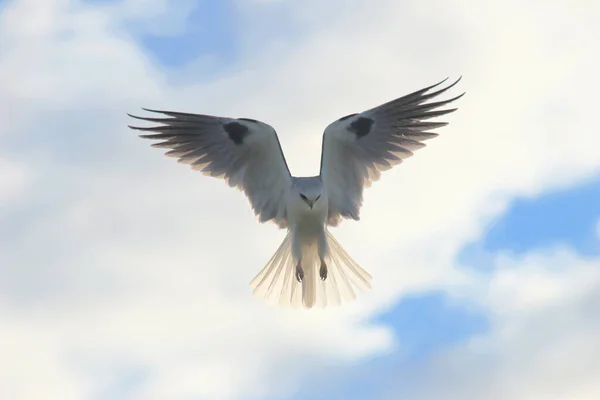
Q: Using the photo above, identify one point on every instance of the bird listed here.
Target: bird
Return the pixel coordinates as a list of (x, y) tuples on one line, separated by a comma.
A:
[(309, 268)]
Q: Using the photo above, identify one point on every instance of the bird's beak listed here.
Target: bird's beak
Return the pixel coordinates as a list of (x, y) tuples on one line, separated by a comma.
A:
[(309, 202)]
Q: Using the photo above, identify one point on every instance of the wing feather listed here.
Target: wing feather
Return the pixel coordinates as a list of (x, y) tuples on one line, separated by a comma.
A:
[(244, 152), (358, 147)]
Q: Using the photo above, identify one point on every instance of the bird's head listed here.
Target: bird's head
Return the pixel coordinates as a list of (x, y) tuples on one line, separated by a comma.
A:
[(309, 190)]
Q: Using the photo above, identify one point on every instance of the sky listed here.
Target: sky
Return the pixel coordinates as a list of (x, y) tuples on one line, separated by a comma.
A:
[(124, 275)]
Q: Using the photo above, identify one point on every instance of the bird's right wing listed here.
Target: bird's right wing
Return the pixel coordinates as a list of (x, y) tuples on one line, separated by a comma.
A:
[(245, 153), (356, 148)]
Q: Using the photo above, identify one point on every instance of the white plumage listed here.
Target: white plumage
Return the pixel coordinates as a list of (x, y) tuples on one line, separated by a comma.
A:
[(309, 268)]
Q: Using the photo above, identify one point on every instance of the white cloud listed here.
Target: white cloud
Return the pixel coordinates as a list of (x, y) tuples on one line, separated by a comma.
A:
[(116, 267), (545, 321), (13, 180)]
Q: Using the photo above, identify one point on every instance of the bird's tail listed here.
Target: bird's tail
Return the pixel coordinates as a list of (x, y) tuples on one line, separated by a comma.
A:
[(277, 282)]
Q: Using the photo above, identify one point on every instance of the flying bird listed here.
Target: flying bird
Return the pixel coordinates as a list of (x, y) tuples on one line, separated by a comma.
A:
[(310, 268)]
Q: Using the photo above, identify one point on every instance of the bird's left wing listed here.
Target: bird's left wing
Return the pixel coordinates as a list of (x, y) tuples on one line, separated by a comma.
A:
[(244, 152), (356, 148)]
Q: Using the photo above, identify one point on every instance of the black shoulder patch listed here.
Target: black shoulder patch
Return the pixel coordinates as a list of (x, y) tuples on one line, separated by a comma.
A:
[(362, 126), (346, 117), (236, 131), (248, 120)]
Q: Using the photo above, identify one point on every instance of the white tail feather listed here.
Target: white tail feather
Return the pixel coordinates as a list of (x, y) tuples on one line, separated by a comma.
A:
[(276, 282)]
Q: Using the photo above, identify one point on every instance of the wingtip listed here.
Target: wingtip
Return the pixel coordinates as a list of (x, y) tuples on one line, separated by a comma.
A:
[(440, 91), (455, 82), (144, 109), (430, 88), (135, 128), (458, 80), (153, 110), (439, 83), (459, 96), (135, 116)]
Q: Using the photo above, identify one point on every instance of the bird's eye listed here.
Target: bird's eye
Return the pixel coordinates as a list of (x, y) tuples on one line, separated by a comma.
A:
[(303, 196)]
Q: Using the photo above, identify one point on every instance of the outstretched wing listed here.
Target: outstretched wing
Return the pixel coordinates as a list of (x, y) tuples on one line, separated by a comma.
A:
[(356, 148), (244, 152)]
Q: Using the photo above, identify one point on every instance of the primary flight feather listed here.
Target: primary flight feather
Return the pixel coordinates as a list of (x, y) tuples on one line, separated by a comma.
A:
[(309, 268)]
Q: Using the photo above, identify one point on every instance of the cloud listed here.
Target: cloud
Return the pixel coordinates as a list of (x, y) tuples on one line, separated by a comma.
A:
[(543, 308), (123, 269), (13, 180)]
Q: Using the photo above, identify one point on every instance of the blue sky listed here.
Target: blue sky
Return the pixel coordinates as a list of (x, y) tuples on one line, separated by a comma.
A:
[(142, 323), (566, 217), (208, 30), (557, 218)]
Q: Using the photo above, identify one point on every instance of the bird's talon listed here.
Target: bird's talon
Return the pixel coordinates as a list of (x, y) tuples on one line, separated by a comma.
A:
[(323, 271), (299, 274)]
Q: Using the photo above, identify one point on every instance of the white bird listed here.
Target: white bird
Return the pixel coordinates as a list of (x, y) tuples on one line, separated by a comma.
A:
[(309, 268)]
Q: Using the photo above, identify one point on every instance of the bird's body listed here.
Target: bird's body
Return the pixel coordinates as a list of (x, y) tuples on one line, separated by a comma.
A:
[(309, 268), (307, 214)]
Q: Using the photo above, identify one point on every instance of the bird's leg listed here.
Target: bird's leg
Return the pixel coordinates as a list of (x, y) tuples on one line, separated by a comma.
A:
[(323, 270), (299, 271), (323, 251)]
